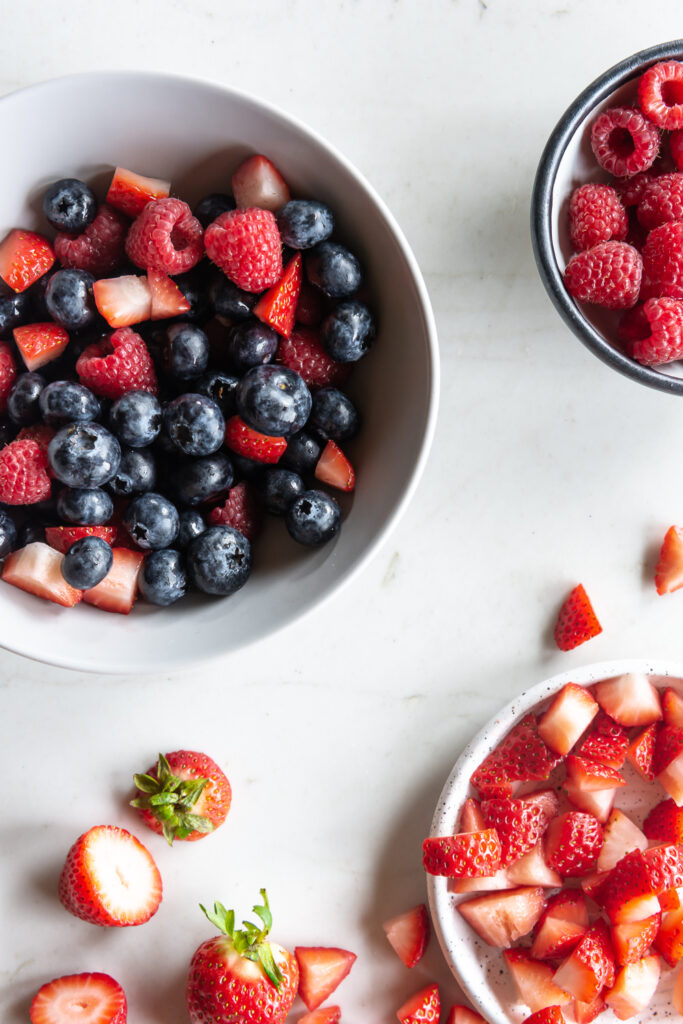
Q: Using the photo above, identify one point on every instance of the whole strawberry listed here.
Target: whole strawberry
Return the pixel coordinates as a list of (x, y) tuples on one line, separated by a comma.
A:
[(185, 796), (238, 976)]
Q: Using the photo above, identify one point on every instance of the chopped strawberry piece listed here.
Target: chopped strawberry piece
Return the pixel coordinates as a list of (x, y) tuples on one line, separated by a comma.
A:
[(593, 884), (277, 307), (325, 1015), (463, 1015), (670, 899), (321, 970), (62, 537), (634, 987), (8, 373), (669, 570), (521, 757), (671, 778), (619, 837), (257, 182), (334, 468), (569, 715), (471, 819), (590, 967), (532, 869), (668, 746), (669, 939), (599, 802), (665, 822), (409, 933), (24, 257), (251, 444), (492, 883), (572, 843), (167, 298), (630, 699), (584, 1013), (591, 776), (550, 1015), (533, 981), (89, 998), (37, 569), (664, 867), (548, 802), (576, 621), (39, 344), (641, 752), (633, 940), (519, 826), (118, 589), (562, 925), (672, 707), (627, 894), (606, 742), (500, 918), (123, 301), (467, 855), (130, 192)]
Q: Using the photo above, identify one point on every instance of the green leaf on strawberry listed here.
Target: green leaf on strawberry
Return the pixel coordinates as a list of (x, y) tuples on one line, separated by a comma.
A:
[(249, 940), (171, 799)]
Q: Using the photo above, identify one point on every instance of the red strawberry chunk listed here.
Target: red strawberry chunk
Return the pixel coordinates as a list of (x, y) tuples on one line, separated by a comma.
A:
[(463, 1015), (664, 867), (246, 245), (409, 933), (466, 855), (334, 468), (627, 894), (665, 822), (633, 940), (37, 569), (122, 363), (562, 925), (251, 444), (598, 802), (119, 588), (8, 373), (660, 94), (521, 757), (669, 939), (471, 819), (634, 987), (641, 752), (551, 1015), (123, 301), (531, 869), (533, 981), (167, 298), (100, 248), (519, 826), (23, 474), (130, 192), (321, 970), (165, 236), (590, 967), (39, 344), (672, 708), (257, 182), (584, 1013), (576, 620), (630, 699), (24, 257), (668, 745), (500, 918), (572, 843), (591, 775), (325, 1015), (619, 837), (91, 998), (277, 307), (606, 742), (241, 510), (62, 537), (569, 715), (303, 352)]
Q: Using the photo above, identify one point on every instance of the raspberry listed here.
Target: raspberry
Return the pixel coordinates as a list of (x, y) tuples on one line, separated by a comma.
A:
[(240, 510), (608, 275), (662, 201), (663, 262), (99, 249), (630, 190), (660, 94), (303, 353), (8, 372), (246, 245), (116, 365), (596, 215), (654, 332), (676, 149), (38, 432), (624, 142), (165, 237), (23, 474)]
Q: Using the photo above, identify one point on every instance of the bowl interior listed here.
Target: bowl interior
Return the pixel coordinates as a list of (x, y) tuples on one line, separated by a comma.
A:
[(479, 968), (195, 134)]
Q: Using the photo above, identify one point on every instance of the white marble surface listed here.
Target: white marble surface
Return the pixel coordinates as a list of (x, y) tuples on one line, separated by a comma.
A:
[(547, 469)]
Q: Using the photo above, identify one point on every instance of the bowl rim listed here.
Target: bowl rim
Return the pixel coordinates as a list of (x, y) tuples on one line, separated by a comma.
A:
[(428, 426), (541, 214), (439, 898)]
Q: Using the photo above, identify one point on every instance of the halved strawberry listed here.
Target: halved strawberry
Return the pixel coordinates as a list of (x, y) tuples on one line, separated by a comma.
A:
[(641, 752), (532, 869), (590, 967), (500, 918), (409, 934), (466, 855), (630, 699), (669, 570), (591, 776), (471, 819), (572, 843), (257, 182), (119, 588), (24, 257), (88, 998), (277, 307), (599, 802), (576, 621), (251, 444), (672, 707), (324, 1015), (627, 894), (321, 970), (37, 569), (633, 940), (669, 939), (463, 1015), (533, 981), (665, 822), (167, 298), (569, 715), (521, 757), (334, 468), (130, 192), (634, 987), (606, 742), (518, 824), (619, 837), (562, 925), (124, 300), (39, 344)]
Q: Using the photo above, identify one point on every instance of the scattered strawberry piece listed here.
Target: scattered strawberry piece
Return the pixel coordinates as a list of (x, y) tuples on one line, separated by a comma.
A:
[(562, 925), (606, 742), (251, 444), (277, 307), (184, 796), (660, 94), (8, 373), (591, 776), (24, 257), (641, 752), (572, 844), (500, 918), (598, 802), (23, 474), (669, 939), (665, 822), (569, 715), (240, 510), (116, 365), (100, 248), (634, 987), (619, 837), (518, 824), (669, 571), (463, 1015), (409, 934), (167, 298), (246, 245), (257, 182), (672, 708), (592, 885), (334, 468), (630, 699), (325, 1015), (130, 192), (37, 569), (123, 301), (533, 981), (584, 1013), (608, 275), (467, 855), (321, 970), (166, 237), (590, 967), (89, 998), (627, 894), (664, 866), (532, 869), (633, 940), (119, 588), (39, 344), (576, 621), (521, 757), (624, 142), (62, 537), (304, 353), (491, 883), (550, 1015), (471, 818), (668, 746)]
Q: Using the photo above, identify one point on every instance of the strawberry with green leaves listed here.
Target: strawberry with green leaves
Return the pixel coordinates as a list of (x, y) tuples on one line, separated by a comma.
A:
[(185, 796)]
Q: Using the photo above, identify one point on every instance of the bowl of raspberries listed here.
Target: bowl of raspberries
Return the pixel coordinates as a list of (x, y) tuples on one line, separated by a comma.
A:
[(218, 372), (607, 217)]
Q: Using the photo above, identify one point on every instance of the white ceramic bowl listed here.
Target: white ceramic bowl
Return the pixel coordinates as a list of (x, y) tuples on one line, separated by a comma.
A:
[(195, 134), (479, 968)]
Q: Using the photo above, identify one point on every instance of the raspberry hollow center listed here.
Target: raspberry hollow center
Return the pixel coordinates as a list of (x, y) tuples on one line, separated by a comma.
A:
[(621, 142), (672, 93)]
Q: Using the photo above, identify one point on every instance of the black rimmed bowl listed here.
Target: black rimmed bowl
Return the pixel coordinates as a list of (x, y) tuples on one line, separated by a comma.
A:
[(567, 162)]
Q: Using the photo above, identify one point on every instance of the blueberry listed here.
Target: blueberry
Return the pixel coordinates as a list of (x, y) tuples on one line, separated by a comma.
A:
[(23, 399), (348, 331), (87, 562), (334, 415), (64, 401), (136, 418), (304, 223), (30, 533), (194, 287), (279, 489), (273, 400), (194, 481), (86, 506), (162, 580), (152, 521), (302, 453), (219, 561), (195, 424), (8, 534), (84, 455), (69, 205), (186, 353), (191, 525), (69, 299), (251, 344), (221, 387), (136, 474), (246, 469), (15, 309), (229, 301), (212, 206), (333, 269), (313, 518)]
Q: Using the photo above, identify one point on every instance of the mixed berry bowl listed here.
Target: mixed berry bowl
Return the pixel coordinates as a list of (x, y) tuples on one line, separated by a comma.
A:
[(164, 389)]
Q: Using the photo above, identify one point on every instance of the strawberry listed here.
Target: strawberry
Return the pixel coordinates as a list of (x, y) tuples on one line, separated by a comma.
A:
[(562, 925), (240, 974), (23, 474), (627, 894), (576, 621), (671, 778), (277, 306), (598, 802), (241, 510), (664, 867), (590, 967), (422, 1008), (116, 365), (591, 776), (24, 257), (463, 1015), (123, 301), (167, 298), (669, 939), (245, 245), (606, 742), (334, 468), (490, 883), (550, 1015), (471, 818), (634, 987), (321, 970), (303, 352), (630, 699), (130, 192), (668, 745), (110, 879), (672, 707), (641, 752), (569, 715), (39, 344), (633, 940), (500, 918), (519, 825), (100, 248), (251, 444), (409, 933), (533, 981), (257, 182), (325, 1015), (677, 994), (547, 801), (619, 837), (62, 537), (185, 796), (669, 570), (531, 869), (37, 569), (572, 843), (89, 998), (665, 822), (8, 373), (592, 885), (521, 757), (119, 588), (467, 855)]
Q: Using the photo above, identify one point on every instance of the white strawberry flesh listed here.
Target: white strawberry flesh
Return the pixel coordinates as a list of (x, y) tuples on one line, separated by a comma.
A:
[(634, 987), (567, 718), (37, 569), (84, 998), (671, 779), (123, 301), (123, 875), (630, 699), (408, 933), (619, 837), (534, 981), (502, 918), (118, 589), (599, 802), (531, 869), (257, 182)]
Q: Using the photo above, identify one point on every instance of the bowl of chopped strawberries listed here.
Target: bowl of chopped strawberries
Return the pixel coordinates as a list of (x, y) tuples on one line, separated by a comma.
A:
[(555, 857), (218, 372), (607, 217)]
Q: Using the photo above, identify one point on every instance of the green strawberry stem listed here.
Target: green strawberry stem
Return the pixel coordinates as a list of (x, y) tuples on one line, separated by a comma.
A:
[(170, 799), (250, 940)]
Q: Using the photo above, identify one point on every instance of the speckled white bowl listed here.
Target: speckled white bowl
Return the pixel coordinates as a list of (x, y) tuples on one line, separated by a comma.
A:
[(479, 968)]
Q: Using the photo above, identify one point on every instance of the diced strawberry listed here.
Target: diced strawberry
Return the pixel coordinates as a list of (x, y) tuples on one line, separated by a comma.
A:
[(409, 934), (531, 869), (668, 746), (123, 301), (677, 994), (670, 899), (590, 967), (471, 819), (130, 192), (576, 621), (89, 998), (567, 905), (24, 257), (500, 918), (167, 298), (641, 752), (599, 803), (550, 1015), (572, 843), (62, 537), (493, 883), (277, 307), (664, 867), (606, 742), (241, 439), (672, 708), (37, 569), (518, 824), (8, 373), (665, 822), (619, 837), (533, 981), (669, 939), (257, 182), (422, 1008), (334, 468), (630, 699), (591, 776), (118, 589), (569, 715), (521, 757), (561, 926), (321, 970), (593, 884), (627, 894), (584, 1013), (548, 802), (633, 940), (669, 570), (634, 987), (324, 1015), (39, 344), (671, 778), (463, 1015), (467, 855)]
